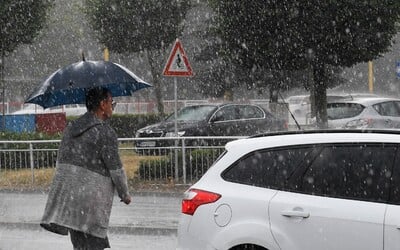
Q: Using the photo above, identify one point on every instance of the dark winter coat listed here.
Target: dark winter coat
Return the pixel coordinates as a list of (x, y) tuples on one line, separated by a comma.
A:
[(88, 170)]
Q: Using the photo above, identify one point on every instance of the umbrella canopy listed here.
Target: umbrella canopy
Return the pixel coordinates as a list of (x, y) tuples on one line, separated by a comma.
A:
[(68, 85)]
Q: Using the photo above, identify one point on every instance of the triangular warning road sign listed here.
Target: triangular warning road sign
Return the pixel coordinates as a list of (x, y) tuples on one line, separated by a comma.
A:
[(178, 64)]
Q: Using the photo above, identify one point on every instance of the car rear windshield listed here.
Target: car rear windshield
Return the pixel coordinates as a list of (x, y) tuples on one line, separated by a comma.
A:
[(267, 168), (343, 110), (193, 113)]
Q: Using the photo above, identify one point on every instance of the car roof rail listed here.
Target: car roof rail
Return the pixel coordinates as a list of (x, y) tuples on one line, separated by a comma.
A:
[(328, 131)]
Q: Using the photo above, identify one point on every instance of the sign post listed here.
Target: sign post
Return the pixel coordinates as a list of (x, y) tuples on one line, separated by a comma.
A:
[(177, 66)]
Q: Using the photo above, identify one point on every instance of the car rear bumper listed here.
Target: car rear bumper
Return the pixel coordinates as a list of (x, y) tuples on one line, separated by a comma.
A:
[(186, 240)]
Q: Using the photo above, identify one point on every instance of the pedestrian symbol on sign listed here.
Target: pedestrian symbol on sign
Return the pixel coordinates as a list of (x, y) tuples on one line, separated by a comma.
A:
[(178, 61)]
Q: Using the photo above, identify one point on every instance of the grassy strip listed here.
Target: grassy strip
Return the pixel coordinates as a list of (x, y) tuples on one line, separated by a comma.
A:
[(22, 178)]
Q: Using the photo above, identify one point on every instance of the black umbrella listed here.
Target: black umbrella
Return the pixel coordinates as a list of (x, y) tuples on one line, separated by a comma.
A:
[(68, 85)]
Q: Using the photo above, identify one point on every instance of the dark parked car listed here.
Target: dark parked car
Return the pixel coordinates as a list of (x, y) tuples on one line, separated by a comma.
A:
[(213, 120)]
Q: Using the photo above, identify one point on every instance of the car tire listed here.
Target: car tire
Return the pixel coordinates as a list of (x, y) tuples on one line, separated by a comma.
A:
[(248, 247)]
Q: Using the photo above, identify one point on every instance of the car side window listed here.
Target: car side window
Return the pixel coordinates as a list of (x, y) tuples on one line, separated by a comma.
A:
[(250, 112), (351, 171), (267, 168), (387, 109), (227, 113), (396, 107)]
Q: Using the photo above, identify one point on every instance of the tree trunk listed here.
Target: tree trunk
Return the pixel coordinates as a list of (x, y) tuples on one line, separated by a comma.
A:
[(273, 93), (320, 95), (273, 98), (156, 82), (228, 95)]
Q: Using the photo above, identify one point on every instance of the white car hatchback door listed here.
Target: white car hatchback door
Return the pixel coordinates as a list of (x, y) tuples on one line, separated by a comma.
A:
[(337, 199), (313, 222), (392, 218), (392, 227)]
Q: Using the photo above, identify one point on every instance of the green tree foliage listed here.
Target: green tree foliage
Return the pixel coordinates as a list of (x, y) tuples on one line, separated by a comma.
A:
[(135, 26), (20, 22), (296, 34)]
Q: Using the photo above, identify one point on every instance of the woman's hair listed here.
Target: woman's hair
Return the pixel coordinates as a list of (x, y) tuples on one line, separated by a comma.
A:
[(94, 96)]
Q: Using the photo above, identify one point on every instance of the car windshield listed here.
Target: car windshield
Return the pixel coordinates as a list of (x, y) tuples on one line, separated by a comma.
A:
[(343, 110), (193, 113)]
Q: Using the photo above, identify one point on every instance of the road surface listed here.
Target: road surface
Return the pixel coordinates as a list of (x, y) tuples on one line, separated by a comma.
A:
[(149, 222)]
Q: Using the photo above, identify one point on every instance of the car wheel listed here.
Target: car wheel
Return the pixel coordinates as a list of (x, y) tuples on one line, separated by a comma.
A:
[(248, 247)]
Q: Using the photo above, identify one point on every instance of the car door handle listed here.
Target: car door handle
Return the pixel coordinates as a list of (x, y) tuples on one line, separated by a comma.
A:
[(294, 213)]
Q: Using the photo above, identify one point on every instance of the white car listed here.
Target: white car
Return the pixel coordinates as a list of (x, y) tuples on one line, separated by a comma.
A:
[(375, 112), (300, 107), (294, 191), (29, 109), (70, 109)]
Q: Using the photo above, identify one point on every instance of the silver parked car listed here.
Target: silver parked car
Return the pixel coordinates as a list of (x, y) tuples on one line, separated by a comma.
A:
[(376, 112), (336, 189), (300, 105)]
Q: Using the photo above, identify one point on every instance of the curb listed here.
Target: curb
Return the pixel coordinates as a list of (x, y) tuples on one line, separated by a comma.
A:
[(112, 229)]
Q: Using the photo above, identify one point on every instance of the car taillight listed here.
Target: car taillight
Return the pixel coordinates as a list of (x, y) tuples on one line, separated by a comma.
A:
[(194, 198)]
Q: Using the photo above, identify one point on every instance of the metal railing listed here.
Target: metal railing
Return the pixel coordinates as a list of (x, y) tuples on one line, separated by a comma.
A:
[(181, 159)]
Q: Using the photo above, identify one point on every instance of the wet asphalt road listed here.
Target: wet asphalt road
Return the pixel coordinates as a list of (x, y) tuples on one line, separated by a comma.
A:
[(150, 222), (18, 239)]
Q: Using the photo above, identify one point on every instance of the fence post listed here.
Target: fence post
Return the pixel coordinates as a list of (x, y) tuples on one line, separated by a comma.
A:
[(31, 162), (183, 161)]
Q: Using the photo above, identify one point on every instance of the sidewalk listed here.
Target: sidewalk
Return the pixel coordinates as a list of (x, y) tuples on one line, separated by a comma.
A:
[(148, 214)]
